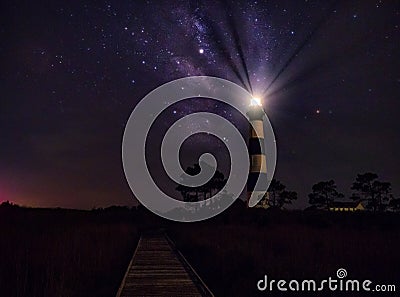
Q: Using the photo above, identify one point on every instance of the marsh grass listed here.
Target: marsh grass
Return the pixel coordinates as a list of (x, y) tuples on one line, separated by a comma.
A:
[(63, 253)]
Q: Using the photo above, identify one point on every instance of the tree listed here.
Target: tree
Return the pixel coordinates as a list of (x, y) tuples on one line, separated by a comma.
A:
[(8, 204), (368, 188), (278, 196), (275, 190), (215, 184), (324, 193), (394, 204), (287, 197), (192, 194)]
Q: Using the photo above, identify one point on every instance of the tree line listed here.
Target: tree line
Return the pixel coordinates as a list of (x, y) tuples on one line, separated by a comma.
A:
[(376, 195)]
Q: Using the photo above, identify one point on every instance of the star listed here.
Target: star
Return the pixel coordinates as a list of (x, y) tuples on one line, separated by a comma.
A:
[(111, 55)]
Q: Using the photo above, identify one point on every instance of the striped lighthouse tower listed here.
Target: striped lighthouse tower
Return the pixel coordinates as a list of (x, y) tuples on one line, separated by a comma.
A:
[(258, 162)]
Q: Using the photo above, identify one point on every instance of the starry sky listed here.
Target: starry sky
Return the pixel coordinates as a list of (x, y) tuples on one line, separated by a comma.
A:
[(72, 71)]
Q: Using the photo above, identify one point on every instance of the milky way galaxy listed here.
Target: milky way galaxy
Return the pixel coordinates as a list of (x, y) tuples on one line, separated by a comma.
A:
[(327, 73)]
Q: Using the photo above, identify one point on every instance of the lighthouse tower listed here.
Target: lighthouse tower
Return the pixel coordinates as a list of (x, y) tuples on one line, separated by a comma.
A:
[(258, 162)]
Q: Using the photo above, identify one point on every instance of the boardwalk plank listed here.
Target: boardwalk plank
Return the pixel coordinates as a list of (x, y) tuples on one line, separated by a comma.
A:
[(157, 268)]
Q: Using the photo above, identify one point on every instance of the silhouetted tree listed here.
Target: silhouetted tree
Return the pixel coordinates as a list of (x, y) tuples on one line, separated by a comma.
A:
[(275, 190), (368, 188), (8, 204), (192, 194), (287, 197), (215, 184), (278, 196), (394, 204), (324, 193)]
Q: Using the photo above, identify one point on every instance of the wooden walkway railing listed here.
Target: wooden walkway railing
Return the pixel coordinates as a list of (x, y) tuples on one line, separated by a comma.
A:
[(157, 268)]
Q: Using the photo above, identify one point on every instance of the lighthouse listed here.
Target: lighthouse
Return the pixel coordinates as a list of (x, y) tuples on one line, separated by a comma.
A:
[(258, 161)]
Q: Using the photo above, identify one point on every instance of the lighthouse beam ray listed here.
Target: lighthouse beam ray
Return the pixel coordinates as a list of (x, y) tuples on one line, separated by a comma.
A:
[(308, 38), (236, 39), (223, 50)]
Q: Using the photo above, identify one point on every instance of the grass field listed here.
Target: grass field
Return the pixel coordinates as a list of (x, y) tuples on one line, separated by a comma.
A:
[(59, 252), (64, 253), (232, 257)]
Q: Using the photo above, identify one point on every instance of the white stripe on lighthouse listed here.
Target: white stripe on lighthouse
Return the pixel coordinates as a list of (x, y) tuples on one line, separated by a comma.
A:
[(258, 163), (257, 129)]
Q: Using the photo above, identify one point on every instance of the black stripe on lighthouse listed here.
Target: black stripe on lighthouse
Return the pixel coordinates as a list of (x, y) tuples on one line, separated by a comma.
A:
[(256, 146), (258, 167)]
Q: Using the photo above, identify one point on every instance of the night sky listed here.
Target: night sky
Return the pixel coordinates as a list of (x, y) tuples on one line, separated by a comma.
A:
[(72, 72)]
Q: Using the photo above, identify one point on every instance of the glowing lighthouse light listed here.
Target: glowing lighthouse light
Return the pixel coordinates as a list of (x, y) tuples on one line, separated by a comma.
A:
[(255, 101)]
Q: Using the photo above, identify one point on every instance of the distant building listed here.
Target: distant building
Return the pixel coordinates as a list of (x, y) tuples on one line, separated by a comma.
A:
[(346, 206)]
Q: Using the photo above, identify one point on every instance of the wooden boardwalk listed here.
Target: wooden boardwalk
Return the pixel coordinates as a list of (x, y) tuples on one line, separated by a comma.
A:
[(157, 268)]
